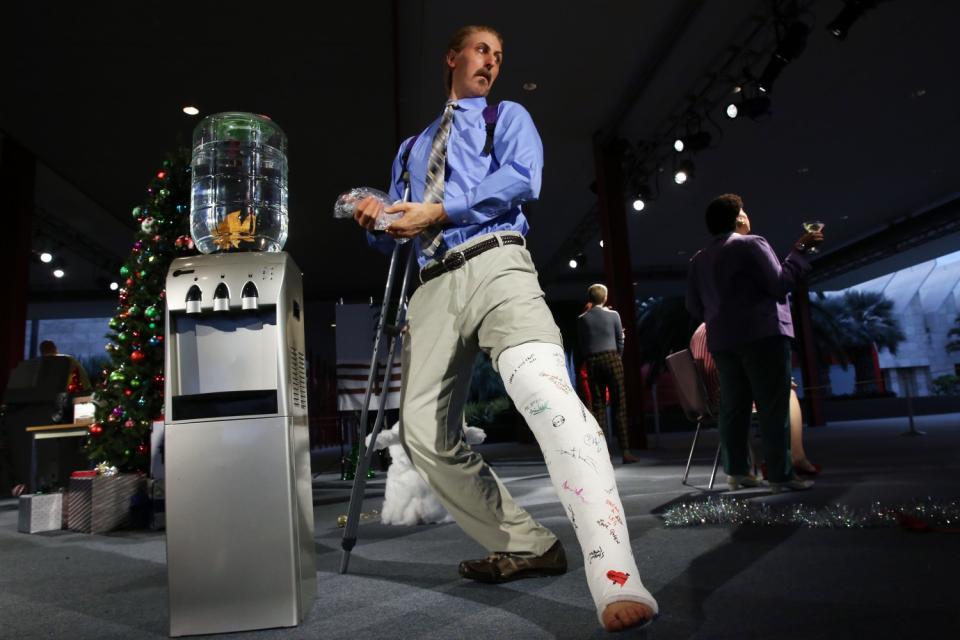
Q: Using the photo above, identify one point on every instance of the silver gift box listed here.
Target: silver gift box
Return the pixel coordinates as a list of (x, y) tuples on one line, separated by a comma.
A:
[(40, 512)]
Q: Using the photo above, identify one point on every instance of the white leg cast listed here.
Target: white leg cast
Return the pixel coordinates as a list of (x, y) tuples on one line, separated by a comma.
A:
[(575, 450)]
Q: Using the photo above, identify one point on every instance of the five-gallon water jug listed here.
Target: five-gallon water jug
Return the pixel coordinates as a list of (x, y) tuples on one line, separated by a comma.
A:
[(239, 191)]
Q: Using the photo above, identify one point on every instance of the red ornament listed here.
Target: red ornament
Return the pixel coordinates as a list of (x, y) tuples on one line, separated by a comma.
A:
[(129, 424), (129, 282), (184, 242), (71, 388), (95, 429), (158, 379), (161, 174), (142, 449), (128, 392), (137, 356)]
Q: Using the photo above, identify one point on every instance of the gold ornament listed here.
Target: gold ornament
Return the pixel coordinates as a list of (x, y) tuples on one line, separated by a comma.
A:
[(235, 229)]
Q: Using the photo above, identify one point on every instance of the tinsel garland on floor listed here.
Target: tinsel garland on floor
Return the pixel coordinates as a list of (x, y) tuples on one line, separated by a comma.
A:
[(921, 515)]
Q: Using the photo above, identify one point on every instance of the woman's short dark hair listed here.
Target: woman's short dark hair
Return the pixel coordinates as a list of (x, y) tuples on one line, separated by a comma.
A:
[(722, 213)]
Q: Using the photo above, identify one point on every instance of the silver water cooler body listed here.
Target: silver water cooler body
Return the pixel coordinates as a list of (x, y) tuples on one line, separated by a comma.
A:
[(239, 503)]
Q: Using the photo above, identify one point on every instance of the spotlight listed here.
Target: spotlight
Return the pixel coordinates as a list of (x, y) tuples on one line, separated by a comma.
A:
[(601, 244), (684, 172), (114, 286), (693, 142), (751, 107), (577, 261), (191, 110), (792, 45), (58, 273), (644, 197), (46, 257), (851, 12)]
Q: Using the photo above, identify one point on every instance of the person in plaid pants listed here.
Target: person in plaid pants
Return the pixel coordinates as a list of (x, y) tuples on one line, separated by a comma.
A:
[(601, 342)]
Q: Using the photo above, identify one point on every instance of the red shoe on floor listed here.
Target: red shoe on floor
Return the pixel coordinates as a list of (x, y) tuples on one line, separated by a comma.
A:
[(808, 469)]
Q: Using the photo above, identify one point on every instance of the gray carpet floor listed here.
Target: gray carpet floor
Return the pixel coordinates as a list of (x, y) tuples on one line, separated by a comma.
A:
[(718, 581)]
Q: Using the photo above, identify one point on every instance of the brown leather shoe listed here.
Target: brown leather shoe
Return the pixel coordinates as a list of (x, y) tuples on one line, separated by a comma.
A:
[(504, 567)]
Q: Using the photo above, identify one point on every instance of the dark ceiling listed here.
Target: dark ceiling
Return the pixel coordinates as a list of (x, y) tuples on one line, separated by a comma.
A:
[(862, 132)]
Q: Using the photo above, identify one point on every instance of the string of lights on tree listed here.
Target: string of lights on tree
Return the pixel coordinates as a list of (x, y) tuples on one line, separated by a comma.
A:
[(130, 394)]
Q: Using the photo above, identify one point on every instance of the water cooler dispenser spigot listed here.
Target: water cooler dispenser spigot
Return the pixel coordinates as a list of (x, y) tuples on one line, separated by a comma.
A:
[(221, 298), (249, 297), (194, 295)]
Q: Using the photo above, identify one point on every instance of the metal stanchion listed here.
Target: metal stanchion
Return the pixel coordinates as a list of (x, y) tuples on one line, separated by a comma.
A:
[(912, 431), (656, 417)]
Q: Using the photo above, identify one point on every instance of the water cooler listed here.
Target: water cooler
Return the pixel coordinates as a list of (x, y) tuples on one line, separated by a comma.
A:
[(239, 502)]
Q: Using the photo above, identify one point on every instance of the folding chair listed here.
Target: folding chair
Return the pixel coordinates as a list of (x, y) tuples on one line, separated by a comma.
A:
[(692, 392)]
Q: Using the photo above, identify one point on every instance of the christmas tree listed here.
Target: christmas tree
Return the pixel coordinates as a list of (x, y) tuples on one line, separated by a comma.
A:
[(130, 395)]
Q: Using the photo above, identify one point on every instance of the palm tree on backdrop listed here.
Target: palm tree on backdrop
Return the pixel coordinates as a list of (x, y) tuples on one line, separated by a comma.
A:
[(828, 346), (864, 320)]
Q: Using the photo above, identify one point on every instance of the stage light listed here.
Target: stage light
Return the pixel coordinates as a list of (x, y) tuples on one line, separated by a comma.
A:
[(191, 111), (573, 263), (751, 107), (684, 172), (58, 273), (46, 257), (601, 244), (639, 204), (791, 46), (678, 145), (839, 27), (114, 286), (577, 261)]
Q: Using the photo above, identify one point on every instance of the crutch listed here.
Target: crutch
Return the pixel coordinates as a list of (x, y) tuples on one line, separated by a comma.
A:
[(364, 456)]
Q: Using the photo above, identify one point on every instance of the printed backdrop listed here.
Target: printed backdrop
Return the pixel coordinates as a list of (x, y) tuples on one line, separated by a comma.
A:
[(356, 328)]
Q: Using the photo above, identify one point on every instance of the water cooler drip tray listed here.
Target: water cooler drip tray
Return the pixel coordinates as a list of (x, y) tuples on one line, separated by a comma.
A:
[(224, 404)]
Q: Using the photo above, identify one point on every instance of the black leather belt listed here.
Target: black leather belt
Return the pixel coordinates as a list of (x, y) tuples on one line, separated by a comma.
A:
[(453, 260)]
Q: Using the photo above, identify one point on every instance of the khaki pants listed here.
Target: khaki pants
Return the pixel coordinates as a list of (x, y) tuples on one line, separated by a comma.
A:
[(492, 303)]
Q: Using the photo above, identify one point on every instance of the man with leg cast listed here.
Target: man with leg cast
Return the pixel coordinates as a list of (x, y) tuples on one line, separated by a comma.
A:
[(469, 175)]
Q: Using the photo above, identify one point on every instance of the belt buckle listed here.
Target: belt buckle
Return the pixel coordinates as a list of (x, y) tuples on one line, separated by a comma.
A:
[(453, 260)]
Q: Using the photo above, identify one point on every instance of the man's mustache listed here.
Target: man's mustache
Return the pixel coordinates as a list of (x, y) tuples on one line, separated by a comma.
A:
[(484, 73)]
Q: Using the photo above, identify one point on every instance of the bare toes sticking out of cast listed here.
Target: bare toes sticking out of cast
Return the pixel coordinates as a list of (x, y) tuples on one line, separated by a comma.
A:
[(626, 614)]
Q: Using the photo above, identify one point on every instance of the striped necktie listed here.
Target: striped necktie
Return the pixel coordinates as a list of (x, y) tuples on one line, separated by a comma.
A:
[(432, 237)]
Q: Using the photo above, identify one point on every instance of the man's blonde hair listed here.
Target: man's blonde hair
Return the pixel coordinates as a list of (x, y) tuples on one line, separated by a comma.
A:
[(597, 294), (456, 43)]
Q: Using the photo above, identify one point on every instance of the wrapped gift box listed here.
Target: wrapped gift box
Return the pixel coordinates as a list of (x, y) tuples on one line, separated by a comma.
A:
[(40, 512), (99, 504)]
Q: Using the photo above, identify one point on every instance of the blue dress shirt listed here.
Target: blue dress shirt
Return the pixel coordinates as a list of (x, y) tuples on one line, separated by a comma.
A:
[(739, 287), (482, 194)]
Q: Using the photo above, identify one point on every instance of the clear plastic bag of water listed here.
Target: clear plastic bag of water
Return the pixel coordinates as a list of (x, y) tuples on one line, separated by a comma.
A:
[(346, 206)]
